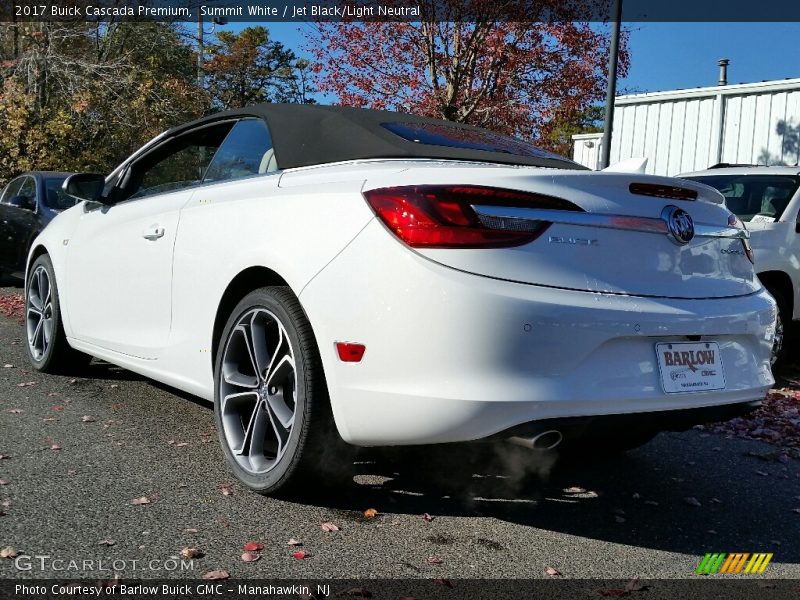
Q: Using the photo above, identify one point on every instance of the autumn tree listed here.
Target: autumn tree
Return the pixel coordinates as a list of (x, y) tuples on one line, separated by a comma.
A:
[(82, 96), (248, 68), (496, 64)]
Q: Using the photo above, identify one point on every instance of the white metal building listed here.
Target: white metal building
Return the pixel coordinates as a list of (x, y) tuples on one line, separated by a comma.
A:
[(689, 130)]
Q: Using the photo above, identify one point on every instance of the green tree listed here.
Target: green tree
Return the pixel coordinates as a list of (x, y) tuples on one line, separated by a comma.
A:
[(563, 126), (248, 68)]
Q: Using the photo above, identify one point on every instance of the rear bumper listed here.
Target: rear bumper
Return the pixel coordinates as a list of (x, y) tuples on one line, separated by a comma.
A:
[(609, 425), (455, 357)]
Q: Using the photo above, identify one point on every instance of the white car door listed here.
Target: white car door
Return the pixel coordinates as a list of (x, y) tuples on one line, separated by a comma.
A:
[(119, 260)]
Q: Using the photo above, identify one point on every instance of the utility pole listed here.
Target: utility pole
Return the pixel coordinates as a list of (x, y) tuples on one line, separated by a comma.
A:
[(611, 89), (200, 49)]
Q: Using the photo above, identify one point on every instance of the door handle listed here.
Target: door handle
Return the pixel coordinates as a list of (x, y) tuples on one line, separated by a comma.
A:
[(153, 232)]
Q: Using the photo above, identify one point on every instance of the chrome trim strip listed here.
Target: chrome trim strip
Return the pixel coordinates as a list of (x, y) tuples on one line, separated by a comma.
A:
[(582, 219)]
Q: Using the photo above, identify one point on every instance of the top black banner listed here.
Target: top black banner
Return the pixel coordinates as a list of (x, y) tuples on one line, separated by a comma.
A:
[(399, 10)]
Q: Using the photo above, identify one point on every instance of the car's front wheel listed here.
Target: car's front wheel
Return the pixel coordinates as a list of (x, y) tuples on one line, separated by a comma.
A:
[(271, 403), (47, 346)]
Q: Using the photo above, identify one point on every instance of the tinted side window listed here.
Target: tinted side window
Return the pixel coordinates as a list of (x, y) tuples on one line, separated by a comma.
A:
[(57, 198), (12, 189), (246, 151), (174, 165), (28, 188)]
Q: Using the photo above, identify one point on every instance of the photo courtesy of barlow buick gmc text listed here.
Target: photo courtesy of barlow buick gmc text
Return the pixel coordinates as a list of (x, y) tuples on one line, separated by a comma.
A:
[(441, 299)]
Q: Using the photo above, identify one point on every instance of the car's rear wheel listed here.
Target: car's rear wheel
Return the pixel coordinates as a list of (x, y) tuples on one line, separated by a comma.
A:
[(271, 402), (47, 346)]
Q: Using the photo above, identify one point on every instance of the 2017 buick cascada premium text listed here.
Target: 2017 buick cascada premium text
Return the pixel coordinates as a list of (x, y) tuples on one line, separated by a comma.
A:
[(330, 275)]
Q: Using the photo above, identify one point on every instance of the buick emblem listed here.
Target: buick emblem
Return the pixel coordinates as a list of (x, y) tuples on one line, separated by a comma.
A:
[(680, 227)]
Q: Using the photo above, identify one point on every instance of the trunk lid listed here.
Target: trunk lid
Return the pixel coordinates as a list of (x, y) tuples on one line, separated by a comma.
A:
[(619, 259)]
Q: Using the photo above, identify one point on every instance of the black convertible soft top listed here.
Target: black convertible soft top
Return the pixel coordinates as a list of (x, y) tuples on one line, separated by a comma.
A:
[(310, 134)]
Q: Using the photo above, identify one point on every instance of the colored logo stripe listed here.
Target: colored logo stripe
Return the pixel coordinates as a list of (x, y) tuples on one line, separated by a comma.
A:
[(733, 563)]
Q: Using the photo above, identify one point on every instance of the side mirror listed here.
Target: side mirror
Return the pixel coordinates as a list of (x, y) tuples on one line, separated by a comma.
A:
[(23, 202), (85, 186)]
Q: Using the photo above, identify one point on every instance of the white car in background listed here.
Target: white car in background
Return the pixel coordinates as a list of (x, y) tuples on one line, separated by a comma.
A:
[(767, 199), (329, 275)]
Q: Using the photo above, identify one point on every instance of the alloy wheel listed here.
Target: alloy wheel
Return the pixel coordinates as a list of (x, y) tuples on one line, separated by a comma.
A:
[(39, 313), (258, 391)]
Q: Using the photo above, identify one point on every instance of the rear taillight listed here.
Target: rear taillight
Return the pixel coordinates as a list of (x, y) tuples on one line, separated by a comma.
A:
[(441, 216)]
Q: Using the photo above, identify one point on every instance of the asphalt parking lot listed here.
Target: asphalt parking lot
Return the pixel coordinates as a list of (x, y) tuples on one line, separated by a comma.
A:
[(76, 452)]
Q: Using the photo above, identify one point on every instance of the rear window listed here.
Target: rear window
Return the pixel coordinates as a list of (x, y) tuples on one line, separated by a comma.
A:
[(756, 198), (467, 139)]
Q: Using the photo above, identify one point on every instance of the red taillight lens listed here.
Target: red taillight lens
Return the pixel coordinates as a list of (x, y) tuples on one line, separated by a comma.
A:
[(441, 216)]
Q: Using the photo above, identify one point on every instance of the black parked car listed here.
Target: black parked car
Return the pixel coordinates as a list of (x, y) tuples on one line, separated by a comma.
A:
[(27, 204)]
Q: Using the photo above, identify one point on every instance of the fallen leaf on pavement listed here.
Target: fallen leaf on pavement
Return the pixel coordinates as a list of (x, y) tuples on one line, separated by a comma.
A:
[(435, 560), (250, 557), (253, 546), (294, 542), (692, 501), (16, 411), (575, 490), (191, 553), (8, 366), (3, 482), (300, 554), (88, 419), (370, 513), (140, 501), (217, 575), (4, 456), (329, 527), (226, 489), (427, 518), (553, 572), (106, 543), (26, 384), (8, 552), (181, 445), (57, 407), (634, 585), (190, 530)]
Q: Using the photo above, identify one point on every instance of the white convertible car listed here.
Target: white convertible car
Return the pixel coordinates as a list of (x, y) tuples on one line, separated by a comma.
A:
[(330, 275)]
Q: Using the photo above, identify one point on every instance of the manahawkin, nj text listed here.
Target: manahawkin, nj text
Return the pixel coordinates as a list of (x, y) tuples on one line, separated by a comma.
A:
[(283, 11)]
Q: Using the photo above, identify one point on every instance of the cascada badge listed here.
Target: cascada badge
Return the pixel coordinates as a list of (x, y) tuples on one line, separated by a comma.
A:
[(735, 563)]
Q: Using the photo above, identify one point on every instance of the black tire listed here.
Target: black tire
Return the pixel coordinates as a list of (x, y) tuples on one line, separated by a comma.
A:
[(56, 356), (784, 329), (313, 453)]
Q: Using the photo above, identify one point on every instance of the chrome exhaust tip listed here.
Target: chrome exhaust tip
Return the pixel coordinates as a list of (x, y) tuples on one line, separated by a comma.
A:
[(547, 440)]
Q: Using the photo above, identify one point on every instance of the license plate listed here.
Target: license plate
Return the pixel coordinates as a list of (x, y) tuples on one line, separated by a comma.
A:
[(690, 367)]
